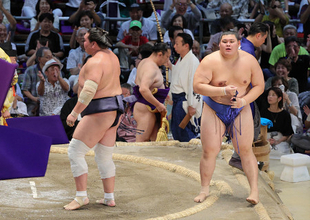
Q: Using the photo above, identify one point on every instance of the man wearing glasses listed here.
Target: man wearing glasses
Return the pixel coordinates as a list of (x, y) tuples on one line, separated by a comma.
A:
[(192, 17)]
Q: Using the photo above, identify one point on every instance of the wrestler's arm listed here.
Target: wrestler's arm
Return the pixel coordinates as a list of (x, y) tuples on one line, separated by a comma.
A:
[(257, 80), (147, 80), (203, 77)]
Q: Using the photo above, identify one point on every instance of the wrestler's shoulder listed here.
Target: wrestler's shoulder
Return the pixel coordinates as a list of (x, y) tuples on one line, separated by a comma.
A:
[(211, 57)]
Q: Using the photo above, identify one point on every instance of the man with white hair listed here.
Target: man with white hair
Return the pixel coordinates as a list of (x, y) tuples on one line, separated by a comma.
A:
[(77, 56)]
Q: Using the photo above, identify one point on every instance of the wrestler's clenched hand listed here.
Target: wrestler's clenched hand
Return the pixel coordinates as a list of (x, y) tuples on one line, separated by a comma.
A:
[(237, 102), (230, 90), (161, 108), (70, 120)]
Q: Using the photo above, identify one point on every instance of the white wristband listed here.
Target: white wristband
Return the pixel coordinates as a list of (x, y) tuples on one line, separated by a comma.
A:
[(74, 114), (308, 118), (224, 90)]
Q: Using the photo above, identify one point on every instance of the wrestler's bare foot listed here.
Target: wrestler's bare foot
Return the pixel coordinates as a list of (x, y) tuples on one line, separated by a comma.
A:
[(77, 203), (204, 192), (107, 202), (253, 200)]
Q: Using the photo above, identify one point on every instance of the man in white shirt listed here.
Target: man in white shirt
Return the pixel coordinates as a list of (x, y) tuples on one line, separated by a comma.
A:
[(186, 104), (77, 56)]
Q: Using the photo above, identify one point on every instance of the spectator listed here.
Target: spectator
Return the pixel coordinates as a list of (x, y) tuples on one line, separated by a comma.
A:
[(173, 32), (283, 68), (149, 29), (300, 63), (226, 24), (56, 42), (12, 22), (6, 40), (31, 78), (86, 5), (128, 126), (290, 103), (305, 17), (225, 12), (196, 50), (44, 6), (52, 90), (192, 17), (19, 108), (178, 20), (273, 12), (281, 130), (77, 56), (145, 51), (86, 20), (239, 9), (129, 45), (279, 51)]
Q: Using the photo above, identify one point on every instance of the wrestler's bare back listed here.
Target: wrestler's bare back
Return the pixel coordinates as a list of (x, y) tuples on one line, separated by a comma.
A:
[(103, 68), (149, 73)]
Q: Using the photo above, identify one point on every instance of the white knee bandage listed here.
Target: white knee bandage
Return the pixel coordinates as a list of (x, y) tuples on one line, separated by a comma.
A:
[(103, 157), (76, 152)]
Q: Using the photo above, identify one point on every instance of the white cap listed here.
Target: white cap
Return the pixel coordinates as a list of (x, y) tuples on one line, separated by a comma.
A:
[(51, 62)]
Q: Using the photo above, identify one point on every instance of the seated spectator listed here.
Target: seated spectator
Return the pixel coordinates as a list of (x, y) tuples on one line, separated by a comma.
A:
[(290, 103), (281, 130), (128, 126), (301, 142), (178, 20), (56, 42), (44, 6), (149, 29), (129, 45), (304, 16), (19, 108), (283, 68), (196, 50), (274, 13), (173, 32), (31, 79), (86, 5), (279, 51), (192, 17), (77, 56), (52, 90), (43, 42), (12, 22), (145, 51), (85, 20), (239, 9), (226, 24), (6, 40), (225, 12), (300, 63)]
